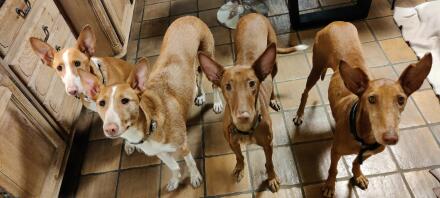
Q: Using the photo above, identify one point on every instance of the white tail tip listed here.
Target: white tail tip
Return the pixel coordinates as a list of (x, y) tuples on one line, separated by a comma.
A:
[(301, 47)]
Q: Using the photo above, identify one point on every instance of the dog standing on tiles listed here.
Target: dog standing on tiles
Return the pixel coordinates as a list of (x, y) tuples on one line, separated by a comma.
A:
[(151, 109), (366, 111), (248, 90)]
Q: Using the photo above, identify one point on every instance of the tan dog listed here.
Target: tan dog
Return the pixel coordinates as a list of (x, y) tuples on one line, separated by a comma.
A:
[(150, 112), (248, 90), (366, 111)]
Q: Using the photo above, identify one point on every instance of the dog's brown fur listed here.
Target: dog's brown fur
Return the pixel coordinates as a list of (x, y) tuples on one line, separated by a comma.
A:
[(248, 90), (381, 101)]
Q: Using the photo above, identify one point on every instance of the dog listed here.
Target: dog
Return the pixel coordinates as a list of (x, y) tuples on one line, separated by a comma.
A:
[(151, 108), (366, 111), (248, 90)]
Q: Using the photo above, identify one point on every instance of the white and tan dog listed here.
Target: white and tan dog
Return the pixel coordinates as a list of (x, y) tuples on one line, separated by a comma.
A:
[(151, 109)]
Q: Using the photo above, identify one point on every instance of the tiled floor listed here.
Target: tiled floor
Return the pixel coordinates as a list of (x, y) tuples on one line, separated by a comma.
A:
[(301, 154)]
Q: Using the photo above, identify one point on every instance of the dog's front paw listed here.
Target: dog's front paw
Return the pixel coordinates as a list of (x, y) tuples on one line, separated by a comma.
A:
[(129, 148), (274, 184), (297, 120), (275, 105), (328, 190), (200, 100), (196, 179), (361, 182), (173, 184), (238, 173), (218, 107)]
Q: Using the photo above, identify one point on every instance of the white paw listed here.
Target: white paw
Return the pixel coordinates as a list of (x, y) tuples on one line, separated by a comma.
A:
[(173, 184), (200, 100), (218, 107), (129, 149), (196, 179)]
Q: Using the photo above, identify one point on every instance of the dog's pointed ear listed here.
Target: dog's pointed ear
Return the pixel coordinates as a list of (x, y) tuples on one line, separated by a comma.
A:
[(413, 76), (354, 78), (139, 75), (91, 84), (213, 70), (43, 50), (86, 41), (263, 66)]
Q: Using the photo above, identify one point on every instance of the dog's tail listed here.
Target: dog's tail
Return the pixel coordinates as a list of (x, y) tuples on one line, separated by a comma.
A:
[(295, 48)]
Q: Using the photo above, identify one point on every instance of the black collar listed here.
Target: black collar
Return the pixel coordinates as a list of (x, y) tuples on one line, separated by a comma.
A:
[(364, 146), (256, 124), (152, 128)]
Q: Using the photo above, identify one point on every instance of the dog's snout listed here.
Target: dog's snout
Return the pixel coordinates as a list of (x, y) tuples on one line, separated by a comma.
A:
[(72, 90), (390, 138), (243, 115), (111, 129)]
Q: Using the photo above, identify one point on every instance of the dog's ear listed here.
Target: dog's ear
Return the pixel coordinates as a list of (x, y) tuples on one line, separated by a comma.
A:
[(43, 50), (263, 66), (212, 70), (139, 75), (91, 84), (87, 41), (413, 76), (354, 78)]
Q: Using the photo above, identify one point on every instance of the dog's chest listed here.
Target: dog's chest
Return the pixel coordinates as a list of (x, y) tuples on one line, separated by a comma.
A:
[(151, 147)]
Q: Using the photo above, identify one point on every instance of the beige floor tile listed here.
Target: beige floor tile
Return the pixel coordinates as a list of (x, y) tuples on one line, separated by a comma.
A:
[(137, 12), (221, 35), (148, 2), (210, 4), (138, 159), (330, 116), (219, 179), (384, 28), (290, 94), (402, 66), (102, 185), (157, 10), (282, 193), (284, 167), (215, 142), (281, 23), (314, 161), (380, 163), (96, 132), (102, 156), (380, 8), (183, 6), (173, 18), (287, 40), (291, 67), (415, 149), (154, 27), (373, 55), (134, 31), (342, 189), (364, 32), (333, 2), (277, 7), (436, 131), (244, 195), (397, 50), (421, 183), (411, 117), (323, 86), (385, 186), (185, 188), (315, 126), (140, 182), (223, 54), (308, 37), (131, 50), (209, 17), (279, 129), (428, 104), (386, 72), (150, 46)]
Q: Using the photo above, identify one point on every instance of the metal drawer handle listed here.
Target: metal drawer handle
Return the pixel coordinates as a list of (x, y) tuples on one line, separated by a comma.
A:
[(27, 9), (46, 32)]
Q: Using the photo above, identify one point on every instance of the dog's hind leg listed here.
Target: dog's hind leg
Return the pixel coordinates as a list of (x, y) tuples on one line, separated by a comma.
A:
[(274, 104), (200, 98)]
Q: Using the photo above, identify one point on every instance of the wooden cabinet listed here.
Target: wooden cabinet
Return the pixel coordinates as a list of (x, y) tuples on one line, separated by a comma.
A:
[(110, 19)]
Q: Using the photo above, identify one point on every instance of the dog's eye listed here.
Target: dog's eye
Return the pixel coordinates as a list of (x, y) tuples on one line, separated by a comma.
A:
[(102, 103), (372, 99), (228, 87), (77, 63), (125, 100), (252, 84), (60, 68), (401, 100)]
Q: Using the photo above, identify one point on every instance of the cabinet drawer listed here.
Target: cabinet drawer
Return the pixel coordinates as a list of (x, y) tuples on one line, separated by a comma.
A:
[(13, 13)]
